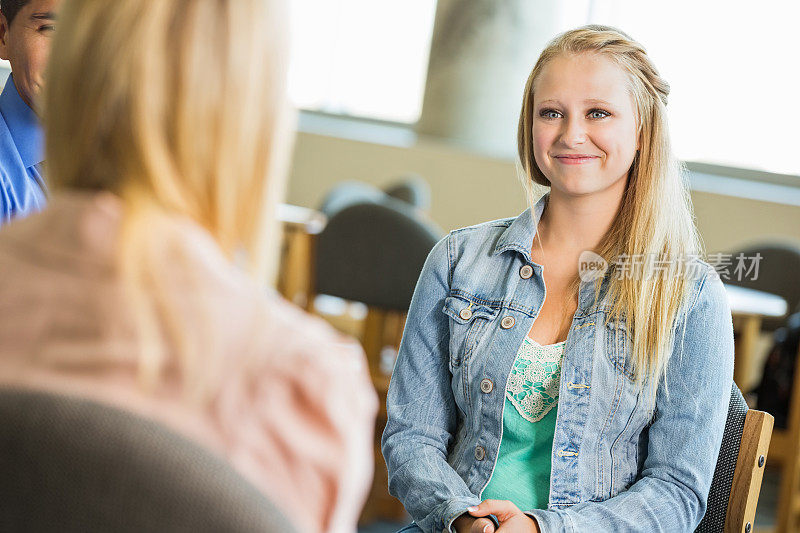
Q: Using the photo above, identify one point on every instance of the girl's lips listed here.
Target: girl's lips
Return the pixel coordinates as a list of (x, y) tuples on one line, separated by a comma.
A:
[(575, 159)]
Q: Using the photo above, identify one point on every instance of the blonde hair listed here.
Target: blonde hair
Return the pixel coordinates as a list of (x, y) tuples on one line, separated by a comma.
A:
[(178, 108), (655, 217)]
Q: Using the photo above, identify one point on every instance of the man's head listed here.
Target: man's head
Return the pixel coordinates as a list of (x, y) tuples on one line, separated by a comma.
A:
[(26, 28)]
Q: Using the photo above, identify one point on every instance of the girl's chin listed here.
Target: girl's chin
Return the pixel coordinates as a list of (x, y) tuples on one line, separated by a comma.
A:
[(581, 187)]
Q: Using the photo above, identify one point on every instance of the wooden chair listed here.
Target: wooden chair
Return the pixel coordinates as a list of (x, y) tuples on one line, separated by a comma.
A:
[(785, 450), (740, 468)]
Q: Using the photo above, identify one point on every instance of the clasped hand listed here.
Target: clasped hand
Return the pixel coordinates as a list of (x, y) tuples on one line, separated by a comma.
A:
[(511, 519)]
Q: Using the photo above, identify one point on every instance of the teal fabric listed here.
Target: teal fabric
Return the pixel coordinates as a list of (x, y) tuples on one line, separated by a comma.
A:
[(522, 471)]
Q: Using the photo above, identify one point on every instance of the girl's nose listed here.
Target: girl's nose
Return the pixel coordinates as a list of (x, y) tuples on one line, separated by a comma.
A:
[(574, 133)]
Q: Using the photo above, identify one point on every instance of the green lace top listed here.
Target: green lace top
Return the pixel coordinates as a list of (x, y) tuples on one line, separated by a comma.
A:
[(522, 471)]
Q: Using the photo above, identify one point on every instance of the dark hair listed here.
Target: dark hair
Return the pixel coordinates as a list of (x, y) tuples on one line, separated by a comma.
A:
[(10, 8)]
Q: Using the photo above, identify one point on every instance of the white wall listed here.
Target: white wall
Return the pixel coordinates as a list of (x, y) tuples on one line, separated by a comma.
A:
[(469, 188)]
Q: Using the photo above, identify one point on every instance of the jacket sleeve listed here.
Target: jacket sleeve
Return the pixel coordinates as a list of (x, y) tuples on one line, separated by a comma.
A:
[(684, 437), (422, 413)]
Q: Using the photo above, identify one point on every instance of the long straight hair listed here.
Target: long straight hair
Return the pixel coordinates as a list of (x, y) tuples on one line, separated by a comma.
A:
[(178, 107), (655, 218)]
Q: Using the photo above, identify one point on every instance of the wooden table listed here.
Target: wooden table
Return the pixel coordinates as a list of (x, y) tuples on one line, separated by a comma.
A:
[(749, 307)]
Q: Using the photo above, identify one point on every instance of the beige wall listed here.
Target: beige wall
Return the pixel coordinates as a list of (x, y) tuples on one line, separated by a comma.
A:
[(469, 188)]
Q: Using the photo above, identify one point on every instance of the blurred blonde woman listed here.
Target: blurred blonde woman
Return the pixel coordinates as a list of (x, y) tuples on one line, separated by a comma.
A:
[(561, 399), (167, 135)]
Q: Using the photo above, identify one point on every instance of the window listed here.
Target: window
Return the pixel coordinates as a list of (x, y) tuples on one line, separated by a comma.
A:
[(731, 66), (735, 86), (366, 58)]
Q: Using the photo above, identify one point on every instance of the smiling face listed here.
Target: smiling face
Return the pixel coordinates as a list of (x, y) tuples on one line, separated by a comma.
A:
[(25, 43), (584, 124)]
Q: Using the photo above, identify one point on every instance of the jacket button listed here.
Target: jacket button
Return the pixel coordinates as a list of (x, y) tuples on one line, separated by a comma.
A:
[(480, 453), (487, 385), (526, 272), (465, 313), (507, 322)]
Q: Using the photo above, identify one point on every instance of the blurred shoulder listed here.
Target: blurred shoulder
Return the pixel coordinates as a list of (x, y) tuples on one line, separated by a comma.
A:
[(290, 337)]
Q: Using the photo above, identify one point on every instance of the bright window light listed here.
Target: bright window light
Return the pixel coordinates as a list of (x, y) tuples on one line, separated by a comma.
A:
[(732, 69), (366, 58), (730, 65)]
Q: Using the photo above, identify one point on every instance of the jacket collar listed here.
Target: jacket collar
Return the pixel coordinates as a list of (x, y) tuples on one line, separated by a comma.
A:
[(519, 235)]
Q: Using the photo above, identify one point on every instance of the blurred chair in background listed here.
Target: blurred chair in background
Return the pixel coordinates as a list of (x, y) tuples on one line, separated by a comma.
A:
[(778, 273), (774, 392), (349, 193), (772, 270), (302, 226), (73, 465), (373, 253), (412, 189), (779, 393), (358, 270)]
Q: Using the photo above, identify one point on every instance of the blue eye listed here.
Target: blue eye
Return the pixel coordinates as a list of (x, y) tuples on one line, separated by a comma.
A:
[(549, 113), (598, 113)]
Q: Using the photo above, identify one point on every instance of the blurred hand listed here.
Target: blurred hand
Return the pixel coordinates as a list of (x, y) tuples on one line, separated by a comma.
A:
[(512, 520)]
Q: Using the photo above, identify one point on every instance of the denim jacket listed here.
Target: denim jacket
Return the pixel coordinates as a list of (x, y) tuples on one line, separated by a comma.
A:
[(619, 461)]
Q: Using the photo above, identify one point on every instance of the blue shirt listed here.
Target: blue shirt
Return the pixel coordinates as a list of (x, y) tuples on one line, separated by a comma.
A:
[(22, 188)]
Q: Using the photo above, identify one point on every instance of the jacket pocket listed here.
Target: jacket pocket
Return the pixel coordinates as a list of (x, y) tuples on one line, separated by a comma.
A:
[(619, 347), (468, 320)]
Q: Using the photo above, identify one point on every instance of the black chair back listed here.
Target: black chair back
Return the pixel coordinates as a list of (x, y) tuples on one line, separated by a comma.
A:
[(74, 465), (373, 253), (718, 496)]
